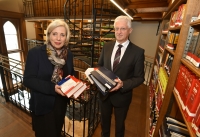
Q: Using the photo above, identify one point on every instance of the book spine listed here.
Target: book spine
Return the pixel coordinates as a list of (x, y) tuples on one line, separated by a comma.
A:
[(77, 93), (69, 94), (192, 101), (107, 78)]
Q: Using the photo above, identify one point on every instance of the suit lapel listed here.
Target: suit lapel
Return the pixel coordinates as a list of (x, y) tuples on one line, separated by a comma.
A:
[(110, 50)]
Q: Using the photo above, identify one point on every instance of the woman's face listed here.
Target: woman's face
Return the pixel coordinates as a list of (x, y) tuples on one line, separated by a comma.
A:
[(58, 37)]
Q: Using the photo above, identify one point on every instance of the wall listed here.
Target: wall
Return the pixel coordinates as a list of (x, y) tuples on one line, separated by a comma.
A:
[(11, 5), (144, 35)]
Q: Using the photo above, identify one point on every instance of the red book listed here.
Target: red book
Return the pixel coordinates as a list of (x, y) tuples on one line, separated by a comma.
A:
[(180, 83), (196, 120), (190, 80), (192, 101), (180, 15), (173, 19)]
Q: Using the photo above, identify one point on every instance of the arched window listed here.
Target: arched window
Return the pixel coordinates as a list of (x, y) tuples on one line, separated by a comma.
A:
[(10, 36), (12, 45)]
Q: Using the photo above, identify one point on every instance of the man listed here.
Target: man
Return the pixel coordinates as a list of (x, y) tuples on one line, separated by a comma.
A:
[(130, 71)]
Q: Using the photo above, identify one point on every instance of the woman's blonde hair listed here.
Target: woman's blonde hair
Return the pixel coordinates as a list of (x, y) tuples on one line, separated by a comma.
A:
[(54, 24)]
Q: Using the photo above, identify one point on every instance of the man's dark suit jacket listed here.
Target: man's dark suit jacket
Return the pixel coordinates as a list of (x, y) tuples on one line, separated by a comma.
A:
[(37, 77), (130, 70)]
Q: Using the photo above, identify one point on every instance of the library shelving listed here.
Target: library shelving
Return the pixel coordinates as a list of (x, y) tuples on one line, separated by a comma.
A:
[(182, 29), (40, 29)]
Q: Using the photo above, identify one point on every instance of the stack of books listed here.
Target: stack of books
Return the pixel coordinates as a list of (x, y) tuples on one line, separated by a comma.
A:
[(193, 54), (187, 88), (177, 16), (174, 128), (71, 86), (102, 78)]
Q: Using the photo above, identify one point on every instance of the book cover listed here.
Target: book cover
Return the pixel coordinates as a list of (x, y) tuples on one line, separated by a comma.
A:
[(180, 15), (196, 120), (196, 60), (192, 101), (108, 74), (105, 77), (190, 81), (173, 19), (174, 121), (87, 73), (192, 45), (165, 27), (101, 87), (178, 129)]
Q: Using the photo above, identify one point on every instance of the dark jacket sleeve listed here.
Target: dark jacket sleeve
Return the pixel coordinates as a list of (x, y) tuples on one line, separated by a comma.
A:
[(37, 74), (135, 77)]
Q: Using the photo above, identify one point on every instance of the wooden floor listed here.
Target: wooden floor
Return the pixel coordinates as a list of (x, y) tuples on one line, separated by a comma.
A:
[(15, 123)]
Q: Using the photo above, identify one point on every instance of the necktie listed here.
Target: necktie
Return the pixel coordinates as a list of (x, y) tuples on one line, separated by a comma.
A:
[(117, 57)]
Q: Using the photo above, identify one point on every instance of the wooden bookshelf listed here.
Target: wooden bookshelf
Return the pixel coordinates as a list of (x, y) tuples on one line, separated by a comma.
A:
[(186, 122), (191, 10), (191, 66), (170, 51)]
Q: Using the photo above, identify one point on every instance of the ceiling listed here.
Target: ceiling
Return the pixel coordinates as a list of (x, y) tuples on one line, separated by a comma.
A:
[(138, 9), (145, 9)]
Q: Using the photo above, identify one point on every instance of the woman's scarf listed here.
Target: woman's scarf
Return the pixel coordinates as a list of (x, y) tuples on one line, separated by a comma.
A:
[(57, 60)]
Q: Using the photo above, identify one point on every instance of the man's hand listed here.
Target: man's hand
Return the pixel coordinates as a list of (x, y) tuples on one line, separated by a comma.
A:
[(119, 85)]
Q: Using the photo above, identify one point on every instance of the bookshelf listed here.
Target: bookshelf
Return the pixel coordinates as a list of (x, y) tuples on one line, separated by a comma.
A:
[(40, 29), (192, 9)]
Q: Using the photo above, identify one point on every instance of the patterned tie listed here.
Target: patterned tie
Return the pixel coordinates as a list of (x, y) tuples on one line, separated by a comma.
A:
[(117, 57)]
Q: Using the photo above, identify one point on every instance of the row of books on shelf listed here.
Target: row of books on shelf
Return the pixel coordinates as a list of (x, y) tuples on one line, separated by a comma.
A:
[(168, 63), (177, 16), (102, 78), (162, 43), (193, 52), (172, 40), (72, 87), (156, 99), (153, 118), (159, 96), (165, 28), (173, 128), (187, 89), (163, 79)]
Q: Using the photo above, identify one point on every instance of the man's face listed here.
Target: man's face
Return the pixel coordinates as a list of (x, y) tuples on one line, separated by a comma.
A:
[(122, 31)]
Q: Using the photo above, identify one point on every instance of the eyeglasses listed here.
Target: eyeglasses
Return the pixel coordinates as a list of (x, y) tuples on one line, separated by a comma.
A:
[(121, 29)]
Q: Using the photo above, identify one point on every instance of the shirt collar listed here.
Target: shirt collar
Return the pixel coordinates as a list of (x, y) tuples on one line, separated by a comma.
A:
[(125, 44)]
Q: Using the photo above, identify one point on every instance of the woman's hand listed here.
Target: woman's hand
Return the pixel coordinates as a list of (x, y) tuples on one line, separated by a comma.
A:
[(58, 90), (119, 85)]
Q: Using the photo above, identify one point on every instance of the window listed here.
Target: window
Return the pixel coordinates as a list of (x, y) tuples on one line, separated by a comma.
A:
[(10, 36), (13, 50)]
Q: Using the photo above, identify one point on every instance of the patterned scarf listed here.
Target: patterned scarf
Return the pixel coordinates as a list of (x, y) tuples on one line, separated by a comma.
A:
[(58, 61)]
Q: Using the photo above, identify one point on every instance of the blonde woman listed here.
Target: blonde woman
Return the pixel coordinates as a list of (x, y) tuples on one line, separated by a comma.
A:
[(45, 66)]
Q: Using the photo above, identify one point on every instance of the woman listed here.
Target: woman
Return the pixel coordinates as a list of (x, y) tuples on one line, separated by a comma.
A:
[(45, 67)]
